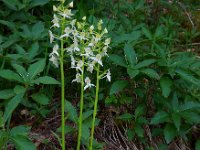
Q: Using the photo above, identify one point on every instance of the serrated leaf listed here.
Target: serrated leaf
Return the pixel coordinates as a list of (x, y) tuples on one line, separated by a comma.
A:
[(6, 94), (45, 80), (40, 98), (151, 73), (190, 117), (71, 110), (165, 84), (159, 117), (118, 86), (169, 133), (10, 75), (118, 60), (130, 55), (145, 63), (11, 105), (23, 143), (36, 68)]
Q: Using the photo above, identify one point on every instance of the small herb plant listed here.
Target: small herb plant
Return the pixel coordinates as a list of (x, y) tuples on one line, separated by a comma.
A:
[(86, 46)]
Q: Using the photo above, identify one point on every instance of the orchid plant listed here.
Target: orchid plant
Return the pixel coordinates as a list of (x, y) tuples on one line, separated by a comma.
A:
[(86, 45)]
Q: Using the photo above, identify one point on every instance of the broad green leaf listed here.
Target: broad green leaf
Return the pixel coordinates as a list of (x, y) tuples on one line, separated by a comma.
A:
[(151, 73), (147, 33), (37, 29), (177, 120), (140, 110), (23, 143), (188, 77), (175, 103), (71, 110), (10, 75), (19, 130), (118, 60), (33, 51), (6, 94), (20, 70), (36, 68), (130, 55), (145, 63), (189, 105), (126, 116), (87, 114), (139, 130), (38, 2), (4, 137), (169, 133), (165, 84), (19, 89), (85, 132), (45, 80), (12, 4), (159, 117), (132, 72), (190, 117), (40, 98), (118, 86), (11, 105)]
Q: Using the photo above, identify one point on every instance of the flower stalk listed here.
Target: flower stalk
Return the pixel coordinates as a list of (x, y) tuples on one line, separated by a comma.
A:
[(95, 107), (81, 107)]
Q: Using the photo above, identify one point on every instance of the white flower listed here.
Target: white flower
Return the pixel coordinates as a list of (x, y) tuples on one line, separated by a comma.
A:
[(108, 75), (51, 36), (104, 51), (67, 32), (72, 62), (90, 67), (105, 31), (71, 4), (107, 42), (66, 13), (84, 18), (88, 52), (55, 21), (78, 78), (88, 83), (91, 28), (54, 60), (100, 24), (97, 38), (55, 50), (79, 66), (55, 8), (97, 59)]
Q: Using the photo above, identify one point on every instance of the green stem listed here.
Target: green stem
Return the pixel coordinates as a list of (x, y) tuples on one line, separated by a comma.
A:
[(95, 108), (62, 92), (81, 107)]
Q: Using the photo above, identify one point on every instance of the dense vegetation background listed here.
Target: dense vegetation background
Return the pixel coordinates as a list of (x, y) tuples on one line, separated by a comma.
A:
[(153, 101)]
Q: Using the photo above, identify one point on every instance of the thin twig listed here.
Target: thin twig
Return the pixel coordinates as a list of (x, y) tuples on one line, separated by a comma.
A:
[(187, 13)]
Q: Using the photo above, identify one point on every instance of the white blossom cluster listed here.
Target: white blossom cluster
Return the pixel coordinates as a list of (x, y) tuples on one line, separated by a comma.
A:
[(85, 45)]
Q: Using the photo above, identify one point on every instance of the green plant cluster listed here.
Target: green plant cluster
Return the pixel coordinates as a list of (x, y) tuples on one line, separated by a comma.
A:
[(153, 59)]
